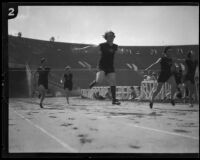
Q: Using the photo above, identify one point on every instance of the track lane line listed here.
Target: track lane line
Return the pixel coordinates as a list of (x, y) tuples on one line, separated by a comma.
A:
[(68, 147), (148, 128)]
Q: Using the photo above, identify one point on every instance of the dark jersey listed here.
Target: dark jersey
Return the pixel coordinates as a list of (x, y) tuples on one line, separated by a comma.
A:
[(191, 66), (68, 78), (165, 73), (107, 55), (68, 81), (166, 64), (43, 76), (178, 76)]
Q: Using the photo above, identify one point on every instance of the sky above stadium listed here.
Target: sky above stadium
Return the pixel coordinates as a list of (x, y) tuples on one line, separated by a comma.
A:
[(133, 25)]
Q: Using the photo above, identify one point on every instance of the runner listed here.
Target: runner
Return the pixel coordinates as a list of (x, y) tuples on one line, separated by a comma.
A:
[(43, 73), (189, 78), (68, 84), (106, 64), (166, 75)]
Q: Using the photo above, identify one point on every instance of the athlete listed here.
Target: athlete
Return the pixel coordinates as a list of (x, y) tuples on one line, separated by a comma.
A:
[(68, 84), (196, 77), (43, 74), (106, 64), (178, 73), (191, 65), (166, 75)]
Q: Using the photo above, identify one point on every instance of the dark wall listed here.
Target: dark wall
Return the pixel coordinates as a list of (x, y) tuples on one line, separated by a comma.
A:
[(18, 85)]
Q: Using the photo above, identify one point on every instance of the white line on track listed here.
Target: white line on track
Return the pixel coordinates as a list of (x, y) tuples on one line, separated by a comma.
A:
[(162, 131), (47, 133), (148, 128)]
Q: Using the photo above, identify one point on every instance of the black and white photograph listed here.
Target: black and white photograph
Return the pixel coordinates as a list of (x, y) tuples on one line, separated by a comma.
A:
[(103, 79)]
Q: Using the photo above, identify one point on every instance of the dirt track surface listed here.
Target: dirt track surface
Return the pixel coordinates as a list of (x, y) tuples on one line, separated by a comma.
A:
[(91, 126)]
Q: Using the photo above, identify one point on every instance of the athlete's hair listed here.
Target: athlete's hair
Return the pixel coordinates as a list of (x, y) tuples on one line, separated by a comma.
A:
[(106, 34), (42, 60), (166, 49)]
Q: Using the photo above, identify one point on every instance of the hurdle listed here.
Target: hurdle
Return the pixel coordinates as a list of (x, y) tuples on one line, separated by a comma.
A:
[(148, 86), (122, 92)]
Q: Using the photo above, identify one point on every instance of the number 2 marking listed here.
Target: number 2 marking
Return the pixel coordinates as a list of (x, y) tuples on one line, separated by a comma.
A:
[(11, 12)]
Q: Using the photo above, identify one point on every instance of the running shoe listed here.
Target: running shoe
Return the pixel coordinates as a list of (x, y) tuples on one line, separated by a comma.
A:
[(151, 105), (172, 102), (116, 102), (41, 106)]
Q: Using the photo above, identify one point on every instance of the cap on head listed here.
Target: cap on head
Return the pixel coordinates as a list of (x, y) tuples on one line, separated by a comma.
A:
[(108, 33), (67, 67)]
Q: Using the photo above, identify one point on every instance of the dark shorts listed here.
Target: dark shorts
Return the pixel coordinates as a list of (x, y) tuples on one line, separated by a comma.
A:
[(190, 78), (164, 76), (68, 86), (106, 70), (178, 80), (45, 85)]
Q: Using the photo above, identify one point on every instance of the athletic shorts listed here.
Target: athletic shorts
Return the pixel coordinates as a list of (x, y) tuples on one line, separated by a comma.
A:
[(45, 85), (178, 80), (68, 86), (164, 76)]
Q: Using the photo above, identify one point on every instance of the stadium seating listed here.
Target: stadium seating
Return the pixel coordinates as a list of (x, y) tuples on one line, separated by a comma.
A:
[(29, 51)]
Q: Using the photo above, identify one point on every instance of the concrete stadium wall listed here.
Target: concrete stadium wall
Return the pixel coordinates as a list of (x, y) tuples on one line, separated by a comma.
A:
[(18, 84), (58, 55)]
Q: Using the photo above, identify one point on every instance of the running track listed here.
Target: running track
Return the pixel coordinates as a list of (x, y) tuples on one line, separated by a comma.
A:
[(90, 126)]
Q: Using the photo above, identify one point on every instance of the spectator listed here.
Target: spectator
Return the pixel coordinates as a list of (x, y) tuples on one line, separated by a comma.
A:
[(133, 94)]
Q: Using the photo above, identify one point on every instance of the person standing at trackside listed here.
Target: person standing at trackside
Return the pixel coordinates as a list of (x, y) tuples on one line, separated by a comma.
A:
[(166, 75), (43, 73), (178, 73), (196, 78), (133, 94), (68, 84), (189, 77), (106, 64)]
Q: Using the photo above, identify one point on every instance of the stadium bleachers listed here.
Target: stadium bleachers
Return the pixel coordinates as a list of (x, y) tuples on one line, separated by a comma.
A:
[(29, 51)]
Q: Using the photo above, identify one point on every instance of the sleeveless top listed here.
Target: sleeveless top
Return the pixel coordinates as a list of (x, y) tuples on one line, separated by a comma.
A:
[(166, 64), (191, 65), (43, 75), (107, 55), (68, 78)]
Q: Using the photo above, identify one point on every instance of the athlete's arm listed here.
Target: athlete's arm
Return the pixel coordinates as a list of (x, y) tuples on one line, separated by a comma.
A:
[(86, 47), (179, 60), (62, 79), (119, 51), (186, 68), (196, 76), (156, 62)]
